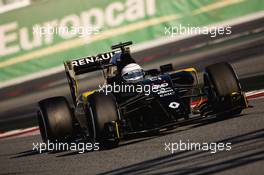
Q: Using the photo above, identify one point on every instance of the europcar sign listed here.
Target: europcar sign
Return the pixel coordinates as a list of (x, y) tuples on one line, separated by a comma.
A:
[(15, 37), (43, 35)]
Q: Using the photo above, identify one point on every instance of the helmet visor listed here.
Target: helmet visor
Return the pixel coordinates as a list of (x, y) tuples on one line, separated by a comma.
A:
[(133, 75)]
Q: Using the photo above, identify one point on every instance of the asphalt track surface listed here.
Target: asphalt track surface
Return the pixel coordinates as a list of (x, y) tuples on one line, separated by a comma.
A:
[(148, 155)]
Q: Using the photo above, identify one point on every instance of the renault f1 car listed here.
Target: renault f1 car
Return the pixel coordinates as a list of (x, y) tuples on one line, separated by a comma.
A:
[(109, 117)]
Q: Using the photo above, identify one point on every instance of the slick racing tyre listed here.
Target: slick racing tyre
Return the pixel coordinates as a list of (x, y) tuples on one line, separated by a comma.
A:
[(222, 82), (55, 119), (103, 111)]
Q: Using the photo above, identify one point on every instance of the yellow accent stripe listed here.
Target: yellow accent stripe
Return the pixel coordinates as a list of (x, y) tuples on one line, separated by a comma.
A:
[(246, 101), (86, 94), (234, 93), (117, 130), (190, 69)]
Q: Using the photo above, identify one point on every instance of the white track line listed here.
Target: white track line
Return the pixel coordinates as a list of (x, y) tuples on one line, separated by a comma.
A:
[(20, 132)]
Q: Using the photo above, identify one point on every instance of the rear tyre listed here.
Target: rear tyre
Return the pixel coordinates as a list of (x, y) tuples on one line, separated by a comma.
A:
[(222, 82), (55, 119), (103, 111)]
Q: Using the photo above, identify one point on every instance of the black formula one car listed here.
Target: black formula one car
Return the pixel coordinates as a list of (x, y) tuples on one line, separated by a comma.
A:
[(107, 116)]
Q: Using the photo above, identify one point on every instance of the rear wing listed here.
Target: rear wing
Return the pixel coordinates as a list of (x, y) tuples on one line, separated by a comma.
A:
[(90, 63), (85, 65)]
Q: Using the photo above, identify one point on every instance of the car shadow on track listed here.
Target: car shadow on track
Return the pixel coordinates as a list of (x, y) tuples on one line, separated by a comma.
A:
[(247, 148), (27, 153), (212, 119)]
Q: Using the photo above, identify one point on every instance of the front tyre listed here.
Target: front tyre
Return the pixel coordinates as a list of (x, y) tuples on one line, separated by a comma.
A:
[(223, 89)]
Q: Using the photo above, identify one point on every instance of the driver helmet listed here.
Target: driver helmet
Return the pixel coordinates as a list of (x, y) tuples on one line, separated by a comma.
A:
[(132, 73)]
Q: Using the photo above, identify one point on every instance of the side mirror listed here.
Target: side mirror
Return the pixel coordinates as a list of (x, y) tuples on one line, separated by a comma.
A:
[(152, 72), (166, 68)]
